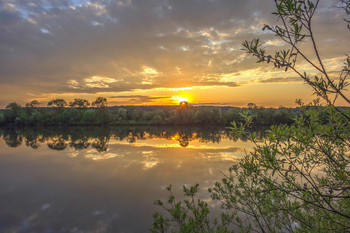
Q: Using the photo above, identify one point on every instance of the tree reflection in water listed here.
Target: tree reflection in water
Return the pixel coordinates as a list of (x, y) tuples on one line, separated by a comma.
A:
[(12, 138), (101, 143), (80, 144), (57, 143), (183, 138), (80, 138), (33, 143)]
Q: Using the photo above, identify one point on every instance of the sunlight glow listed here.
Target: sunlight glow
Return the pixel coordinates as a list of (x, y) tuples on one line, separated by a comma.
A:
[(180, 88), (148, 71), (179, 99), (98, 82)]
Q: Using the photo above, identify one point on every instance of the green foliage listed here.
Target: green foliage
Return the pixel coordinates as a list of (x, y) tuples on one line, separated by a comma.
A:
[(135, 114), (102, 116), (298, 180), (32, 106), (79, 114), (190, 215), (35, 118), (2, 118), (12, 112), (88, 117), (121, 114), (73, 116), (156, 119), (208, 115)]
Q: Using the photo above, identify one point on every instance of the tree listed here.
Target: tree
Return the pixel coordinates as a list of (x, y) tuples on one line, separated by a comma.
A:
[(2, 118), (88, 117), (58, 104), (299, 179), (13, 107), (31, 107), (12, 111), (252, 105), (100, 102), (33, 104), (80, 104), (122, 114)]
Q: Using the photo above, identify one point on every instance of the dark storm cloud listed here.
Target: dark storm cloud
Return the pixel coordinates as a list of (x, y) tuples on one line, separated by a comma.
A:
[(58, 45)]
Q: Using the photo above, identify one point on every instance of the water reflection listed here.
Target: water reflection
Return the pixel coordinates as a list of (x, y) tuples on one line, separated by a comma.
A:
[(80, 143), (12, 139), (104, 179), (57, 143), (81, 138)]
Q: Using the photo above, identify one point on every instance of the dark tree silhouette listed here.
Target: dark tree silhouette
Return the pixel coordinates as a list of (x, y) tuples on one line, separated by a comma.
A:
[(58, 104)]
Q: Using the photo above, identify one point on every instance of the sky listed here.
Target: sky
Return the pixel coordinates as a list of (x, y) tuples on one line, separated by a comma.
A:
[(153, 52)]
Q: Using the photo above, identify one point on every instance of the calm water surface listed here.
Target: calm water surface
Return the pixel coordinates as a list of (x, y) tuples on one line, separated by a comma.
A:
[(104, 179)]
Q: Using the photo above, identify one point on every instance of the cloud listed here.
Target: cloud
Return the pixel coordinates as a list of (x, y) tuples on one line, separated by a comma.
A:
[(68, 41), (9, 7), (98, 82), (74, 84), (148, 71), (281, 80), (149, 74), (141, 98), (218, 83), (91, 82), (59, 46)]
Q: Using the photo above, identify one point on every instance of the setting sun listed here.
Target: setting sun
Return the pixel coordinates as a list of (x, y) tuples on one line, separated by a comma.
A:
[(179, 99)]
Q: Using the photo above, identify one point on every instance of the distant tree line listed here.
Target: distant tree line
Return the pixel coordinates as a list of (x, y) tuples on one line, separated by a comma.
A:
[(81, 112)]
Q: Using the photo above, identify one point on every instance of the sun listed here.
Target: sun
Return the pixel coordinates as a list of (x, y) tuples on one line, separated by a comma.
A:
[(180, 99)]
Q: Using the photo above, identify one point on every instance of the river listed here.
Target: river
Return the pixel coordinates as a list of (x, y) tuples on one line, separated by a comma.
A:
[(104, 179)]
